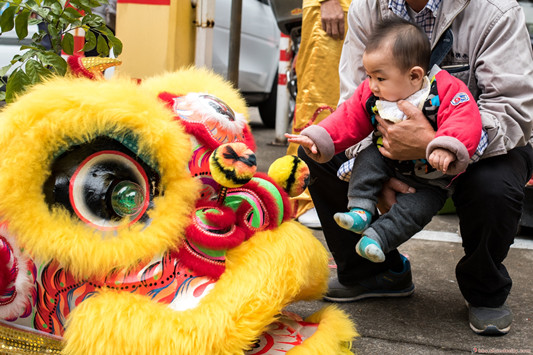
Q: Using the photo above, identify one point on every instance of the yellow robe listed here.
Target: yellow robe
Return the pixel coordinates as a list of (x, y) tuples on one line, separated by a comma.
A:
[(317, 69)]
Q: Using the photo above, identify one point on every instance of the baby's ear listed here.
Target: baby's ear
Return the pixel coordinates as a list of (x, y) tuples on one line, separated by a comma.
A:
[(416, 74)]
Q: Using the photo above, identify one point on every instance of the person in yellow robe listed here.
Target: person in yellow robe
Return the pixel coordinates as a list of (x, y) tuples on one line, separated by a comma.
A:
[(317, 68)]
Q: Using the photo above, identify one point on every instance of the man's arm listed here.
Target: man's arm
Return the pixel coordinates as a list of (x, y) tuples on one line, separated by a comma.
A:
[(504, 73)]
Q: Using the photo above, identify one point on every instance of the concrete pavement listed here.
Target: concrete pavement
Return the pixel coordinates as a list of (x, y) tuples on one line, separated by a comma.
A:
[(434, 320)]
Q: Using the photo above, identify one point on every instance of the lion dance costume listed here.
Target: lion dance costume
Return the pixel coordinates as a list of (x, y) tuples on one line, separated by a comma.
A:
[(133, 222)]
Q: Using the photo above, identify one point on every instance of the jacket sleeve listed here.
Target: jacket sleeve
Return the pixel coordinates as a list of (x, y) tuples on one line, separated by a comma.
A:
[(348, 125), (504, 73), (458, 121)]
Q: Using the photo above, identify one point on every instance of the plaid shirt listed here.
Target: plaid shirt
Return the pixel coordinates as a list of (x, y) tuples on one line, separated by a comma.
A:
[(425, 18)]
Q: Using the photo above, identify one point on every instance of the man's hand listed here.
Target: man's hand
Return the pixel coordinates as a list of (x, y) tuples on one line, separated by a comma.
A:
[(332, 18), (408, 139), (387, 196), (304, 141), (441, 159)]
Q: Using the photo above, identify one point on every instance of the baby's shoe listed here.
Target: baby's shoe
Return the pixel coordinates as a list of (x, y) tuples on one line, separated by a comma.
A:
[(370, 249), (357, 220)]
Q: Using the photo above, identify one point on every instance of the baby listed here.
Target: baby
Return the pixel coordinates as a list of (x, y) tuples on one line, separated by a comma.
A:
[(396, 60)]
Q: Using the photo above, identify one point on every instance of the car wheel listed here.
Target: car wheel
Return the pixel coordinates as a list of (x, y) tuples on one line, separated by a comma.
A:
[(267, 108)]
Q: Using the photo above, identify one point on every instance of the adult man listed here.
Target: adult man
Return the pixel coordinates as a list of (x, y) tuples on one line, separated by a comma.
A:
[(323, 28), (485, 44)]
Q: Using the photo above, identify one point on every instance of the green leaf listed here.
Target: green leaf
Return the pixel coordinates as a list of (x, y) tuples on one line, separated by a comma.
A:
[(2, 95), (4, 70), (7, 20), (28, 54), (16, 58), (56, 62), (42, 12), (32, 3), (55, 38), (21, 23), (105, 30), (34, 21), (56, 8), (102, 47), (68, 43), (16, 84), (76, 4), (90, 41), (116, 44), (36, 72), (85, 3), (92, 20), (95, 3), (72, 13)]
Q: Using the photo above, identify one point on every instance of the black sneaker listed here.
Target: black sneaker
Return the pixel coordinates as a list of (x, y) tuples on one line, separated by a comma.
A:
[(385, 284), (490, 321)]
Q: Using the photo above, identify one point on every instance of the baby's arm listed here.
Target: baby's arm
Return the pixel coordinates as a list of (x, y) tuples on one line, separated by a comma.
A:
[(441, 158), (304, 141)]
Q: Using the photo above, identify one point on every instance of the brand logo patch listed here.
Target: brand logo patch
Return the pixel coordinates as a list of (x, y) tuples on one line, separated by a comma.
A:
[(460, 98)]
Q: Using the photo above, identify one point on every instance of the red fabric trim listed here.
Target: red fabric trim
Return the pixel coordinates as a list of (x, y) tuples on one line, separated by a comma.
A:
[(287, 207), (167, 98), (242, 212), (224, 219), (200, 264), (77, 67), (249, 138), (267, 199), (231, 239), (7, 275)]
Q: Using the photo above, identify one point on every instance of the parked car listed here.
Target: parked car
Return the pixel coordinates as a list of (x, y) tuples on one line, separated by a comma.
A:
[(259, 54)]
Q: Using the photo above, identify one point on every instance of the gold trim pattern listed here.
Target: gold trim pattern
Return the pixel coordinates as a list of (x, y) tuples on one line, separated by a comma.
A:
[(14, 340)]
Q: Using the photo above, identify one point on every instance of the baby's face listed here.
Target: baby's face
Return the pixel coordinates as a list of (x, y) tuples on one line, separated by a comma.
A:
[(387, 81)]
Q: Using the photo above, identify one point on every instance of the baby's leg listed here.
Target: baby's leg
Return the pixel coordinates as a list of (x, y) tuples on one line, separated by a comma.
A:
[(407, 217), (368, 175), (370, 249)]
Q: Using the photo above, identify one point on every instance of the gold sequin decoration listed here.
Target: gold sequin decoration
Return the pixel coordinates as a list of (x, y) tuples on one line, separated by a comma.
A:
[(15, 340), (99, 64)]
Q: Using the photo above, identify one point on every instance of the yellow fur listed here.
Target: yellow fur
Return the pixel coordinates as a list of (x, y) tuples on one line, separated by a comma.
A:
[(39, 126), (263, 275), (334, 334)]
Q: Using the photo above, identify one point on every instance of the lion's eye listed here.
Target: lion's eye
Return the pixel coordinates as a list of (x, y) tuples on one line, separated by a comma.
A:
[(102, 182), (219, 106)]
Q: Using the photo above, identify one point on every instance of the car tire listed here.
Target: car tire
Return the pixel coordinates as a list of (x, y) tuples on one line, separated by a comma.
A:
[(267, 108)]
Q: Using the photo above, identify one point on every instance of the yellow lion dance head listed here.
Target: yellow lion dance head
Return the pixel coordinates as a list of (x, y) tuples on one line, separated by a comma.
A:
[(116, 238)]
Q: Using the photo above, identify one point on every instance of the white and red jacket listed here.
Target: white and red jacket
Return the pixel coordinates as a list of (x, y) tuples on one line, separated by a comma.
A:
[(450, 108)]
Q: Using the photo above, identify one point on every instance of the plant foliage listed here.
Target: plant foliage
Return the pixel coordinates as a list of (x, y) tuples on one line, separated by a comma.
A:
[(62, 18)]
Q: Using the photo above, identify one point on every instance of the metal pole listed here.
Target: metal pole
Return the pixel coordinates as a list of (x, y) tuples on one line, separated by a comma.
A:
[(234, 42)]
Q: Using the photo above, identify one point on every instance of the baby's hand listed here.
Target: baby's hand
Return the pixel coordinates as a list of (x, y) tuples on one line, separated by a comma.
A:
[(304, 141), (441, 158)]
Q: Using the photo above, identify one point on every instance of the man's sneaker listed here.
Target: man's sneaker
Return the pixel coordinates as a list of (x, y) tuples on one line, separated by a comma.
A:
[(490, 321), (385, 284), (310, 219)]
